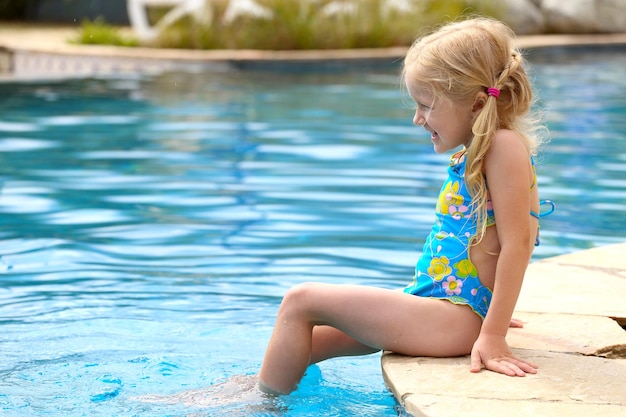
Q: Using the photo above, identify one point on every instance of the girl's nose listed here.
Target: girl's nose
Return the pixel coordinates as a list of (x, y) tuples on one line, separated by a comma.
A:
[(418, 119)]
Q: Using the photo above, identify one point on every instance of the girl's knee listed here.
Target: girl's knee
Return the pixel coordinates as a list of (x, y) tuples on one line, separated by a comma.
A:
[(300, 293), (299, 298)]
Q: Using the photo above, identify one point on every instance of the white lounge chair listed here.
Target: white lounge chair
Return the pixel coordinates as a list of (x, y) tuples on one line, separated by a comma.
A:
[(199, 9), (137, 13)]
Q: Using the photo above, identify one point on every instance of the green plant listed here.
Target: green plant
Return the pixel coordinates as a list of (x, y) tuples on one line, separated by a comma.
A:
[(100, 33), (298, 25)]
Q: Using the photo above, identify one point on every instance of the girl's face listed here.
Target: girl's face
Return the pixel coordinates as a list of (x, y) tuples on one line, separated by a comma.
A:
[(449, 124)]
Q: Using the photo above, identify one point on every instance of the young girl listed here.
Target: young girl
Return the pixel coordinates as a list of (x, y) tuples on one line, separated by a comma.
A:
[(472, 93)]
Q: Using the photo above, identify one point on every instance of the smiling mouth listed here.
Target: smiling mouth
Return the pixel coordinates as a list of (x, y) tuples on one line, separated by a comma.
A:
[(433, 134)]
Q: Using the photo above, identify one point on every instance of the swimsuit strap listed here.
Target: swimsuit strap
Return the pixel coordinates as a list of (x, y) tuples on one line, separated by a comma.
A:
[(532, 161), (545, 213), (542, 214)]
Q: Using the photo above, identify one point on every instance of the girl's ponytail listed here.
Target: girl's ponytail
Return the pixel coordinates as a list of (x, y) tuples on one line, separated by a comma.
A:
[(507, 98)]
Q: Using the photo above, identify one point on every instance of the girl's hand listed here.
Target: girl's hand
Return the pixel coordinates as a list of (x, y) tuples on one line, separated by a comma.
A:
[(493, 352), (516, 323)]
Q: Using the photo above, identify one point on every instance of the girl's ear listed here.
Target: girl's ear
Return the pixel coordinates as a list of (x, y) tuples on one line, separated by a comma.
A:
[(479, 102)]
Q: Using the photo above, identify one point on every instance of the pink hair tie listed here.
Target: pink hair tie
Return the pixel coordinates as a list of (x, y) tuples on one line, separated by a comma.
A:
[(492, 91)]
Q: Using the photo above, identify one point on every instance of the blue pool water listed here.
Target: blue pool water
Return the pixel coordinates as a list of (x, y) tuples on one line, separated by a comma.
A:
[(151, 224)]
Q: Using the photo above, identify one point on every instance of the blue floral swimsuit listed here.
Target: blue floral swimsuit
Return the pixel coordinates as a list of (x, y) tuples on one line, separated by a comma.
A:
[(444, 270)]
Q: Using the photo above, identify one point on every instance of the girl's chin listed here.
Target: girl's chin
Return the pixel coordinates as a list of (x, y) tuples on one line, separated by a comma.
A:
[(437, 145), (439, 148)]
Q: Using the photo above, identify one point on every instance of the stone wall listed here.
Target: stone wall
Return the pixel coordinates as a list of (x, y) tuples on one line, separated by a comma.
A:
[(528, 17)]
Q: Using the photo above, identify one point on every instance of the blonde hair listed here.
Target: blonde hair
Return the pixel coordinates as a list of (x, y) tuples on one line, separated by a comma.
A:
[(463, 59)]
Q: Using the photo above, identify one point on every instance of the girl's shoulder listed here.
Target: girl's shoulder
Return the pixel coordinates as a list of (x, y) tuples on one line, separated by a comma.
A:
[(509, 137), (508, 144), (508, 156)]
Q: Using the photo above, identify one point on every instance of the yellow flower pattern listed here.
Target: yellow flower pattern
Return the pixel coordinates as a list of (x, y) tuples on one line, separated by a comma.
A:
[(465, 268), (445, 270), (449, 196), (439, 268)]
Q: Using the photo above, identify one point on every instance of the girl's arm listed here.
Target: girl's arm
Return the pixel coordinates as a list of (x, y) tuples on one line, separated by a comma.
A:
[(509, 175)]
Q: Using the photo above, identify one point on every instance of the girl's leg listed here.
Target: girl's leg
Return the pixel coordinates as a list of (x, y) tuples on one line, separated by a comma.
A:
[(328, 342), (372, 318)]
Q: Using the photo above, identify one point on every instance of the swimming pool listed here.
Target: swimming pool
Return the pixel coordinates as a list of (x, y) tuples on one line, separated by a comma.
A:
[(151, 224)]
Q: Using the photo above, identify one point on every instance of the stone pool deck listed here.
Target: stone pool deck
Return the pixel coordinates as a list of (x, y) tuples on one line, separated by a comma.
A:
[(573, 305)]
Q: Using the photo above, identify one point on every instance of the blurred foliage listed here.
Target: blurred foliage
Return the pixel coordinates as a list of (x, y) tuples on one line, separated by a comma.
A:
[(302, 24), (298, 25), (98, 32)]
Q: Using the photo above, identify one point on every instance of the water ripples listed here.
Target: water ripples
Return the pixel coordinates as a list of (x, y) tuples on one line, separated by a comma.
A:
[(151, 226)]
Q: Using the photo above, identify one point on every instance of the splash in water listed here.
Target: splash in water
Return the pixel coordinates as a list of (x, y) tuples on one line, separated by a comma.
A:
[(240, 394)]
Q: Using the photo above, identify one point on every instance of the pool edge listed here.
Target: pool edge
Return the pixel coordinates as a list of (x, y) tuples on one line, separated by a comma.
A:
[(572, 331)]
